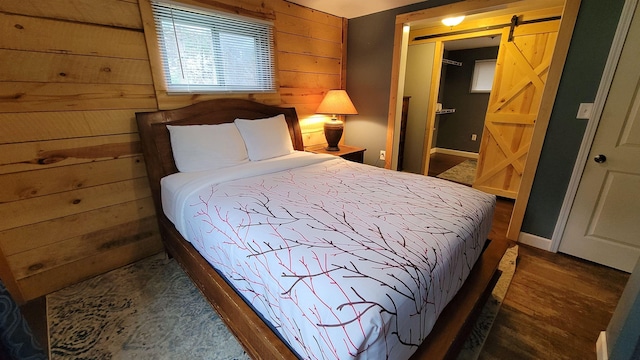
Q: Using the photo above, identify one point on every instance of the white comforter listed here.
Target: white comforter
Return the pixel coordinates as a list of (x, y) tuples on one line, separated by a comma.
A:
[(345, 260)]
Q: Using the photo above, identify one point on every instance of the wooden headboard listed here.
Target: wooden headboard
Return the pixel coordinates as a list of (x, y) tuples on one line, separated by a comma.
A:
[(156, 144)]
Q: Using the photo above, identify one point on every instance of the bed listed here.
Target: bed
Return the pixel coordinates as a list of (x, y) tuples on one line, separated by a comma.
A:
[(312, 256)]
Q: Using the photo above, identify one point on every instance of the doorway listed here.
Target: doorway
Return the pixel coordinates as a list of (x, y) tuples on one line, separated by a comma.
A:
[(482, 22), (463, 98), (463, 95)]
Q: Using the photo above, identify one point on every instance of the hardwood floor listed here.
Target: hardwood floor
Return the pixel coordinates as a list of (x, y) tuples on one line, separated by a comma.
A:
[(556, 305), (439, 163)]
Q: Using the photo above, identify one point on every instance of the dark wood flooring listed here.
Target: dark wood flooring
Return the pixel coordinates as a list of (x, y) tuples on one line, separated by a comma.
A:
[(439, 163), (555, 308), (556, 305)]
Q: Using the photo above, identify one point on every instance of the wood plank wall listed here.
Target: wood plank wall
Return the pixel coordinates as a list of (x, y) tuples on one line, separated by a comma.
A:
[(75, 200), (309, 58)]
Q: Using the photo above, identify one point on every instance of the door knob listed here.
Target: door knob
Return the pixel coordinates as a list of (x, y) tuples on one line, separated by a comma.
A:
[(600, 159)]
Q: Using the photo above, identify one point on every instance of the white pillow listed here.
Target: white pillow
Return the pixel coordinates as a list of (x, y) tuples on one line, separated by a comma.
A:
[(206, 147), (266, 138)]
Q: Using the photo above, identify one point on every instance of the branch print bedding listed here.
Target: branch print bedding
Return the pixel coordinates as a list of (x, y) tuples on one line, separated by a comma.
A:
[(344, 260)]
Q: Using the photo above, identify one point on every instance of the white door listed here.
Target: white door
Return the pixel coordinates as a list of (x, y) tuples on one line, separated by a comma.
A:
[(604, 223)]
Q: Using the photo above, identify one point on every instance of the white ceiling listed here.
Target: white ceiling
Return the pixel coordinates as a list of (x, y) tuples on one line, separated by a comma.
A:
[(353, 8)]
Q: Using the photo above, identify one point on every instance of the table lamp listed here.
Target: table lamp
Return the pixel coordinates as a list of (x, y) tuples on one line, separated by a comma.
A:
[(335, 102)]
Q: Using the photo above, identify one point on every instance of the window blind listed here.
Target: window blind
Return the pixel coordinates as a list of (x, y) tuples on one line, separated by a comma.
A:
[(206, 51)]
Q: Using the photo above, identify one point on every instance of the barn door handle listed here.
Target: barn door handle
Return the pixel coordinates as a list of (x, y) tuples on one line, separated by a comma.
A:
[(600, 159)]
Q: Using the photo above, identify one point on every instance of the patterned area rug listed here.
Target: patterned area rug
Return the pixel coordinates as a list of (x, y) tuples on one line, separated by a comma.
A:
[(463, 173), (473, 346), (146, 310), (151, 310)]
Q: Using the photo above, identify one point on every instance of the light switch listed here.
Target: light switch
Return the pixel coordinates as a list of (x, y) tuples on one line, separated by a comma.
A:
[(584, 111)]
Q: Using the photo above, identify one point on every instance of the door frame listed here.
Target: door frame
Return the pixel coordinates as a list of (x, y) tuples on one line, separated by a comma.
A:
[(594, 120), (565, 32), (436, 84)]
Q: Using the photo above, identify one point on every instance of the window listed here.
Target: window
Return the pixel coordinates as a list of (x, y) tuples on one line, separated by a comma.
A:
[(205, 51), (483, 76)]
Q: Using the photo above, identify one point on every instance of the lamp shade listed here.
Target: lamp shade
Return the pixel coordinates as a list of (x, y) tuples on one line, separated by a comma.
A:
[(336, 102)]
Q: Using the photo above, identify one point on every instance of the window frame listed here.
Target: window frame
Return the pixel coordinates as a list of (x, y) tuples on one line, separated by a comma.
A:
[(264, 48), (473, 87)]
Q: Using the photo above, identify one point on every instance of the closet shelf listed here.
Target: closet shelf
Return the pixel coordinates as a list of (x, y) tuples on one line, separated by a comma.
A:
[(446, 111), (451, 62)]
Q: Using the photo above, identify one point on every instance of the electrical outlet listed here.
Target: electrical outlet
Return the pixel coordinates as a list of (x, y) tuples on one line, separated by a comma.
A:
[(383, 155), (474, 137)]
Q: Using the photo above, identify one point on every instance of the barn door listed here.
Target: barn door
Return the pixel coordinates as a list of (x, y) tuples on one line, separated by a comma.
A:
[(521, 73)]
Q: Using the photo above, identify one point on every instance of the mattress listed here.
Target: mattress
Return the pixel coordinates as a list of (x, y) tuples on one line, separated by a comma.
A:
[(344, 260)]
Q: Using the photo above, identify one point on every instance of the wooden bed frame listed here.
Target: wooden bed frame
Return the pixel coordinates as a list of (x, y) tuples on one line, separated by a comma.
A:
[(256, 337)]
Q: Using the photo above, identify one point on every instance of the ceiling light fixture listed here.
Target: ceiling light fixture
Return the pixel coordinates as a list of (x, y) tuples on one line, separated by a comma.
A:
[(452, 21)]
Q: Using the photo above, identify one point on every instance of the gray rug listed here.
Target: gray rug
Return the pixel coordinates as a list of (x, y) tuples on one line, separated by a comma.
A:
[(151, 310), (147, 310), (463, 173)]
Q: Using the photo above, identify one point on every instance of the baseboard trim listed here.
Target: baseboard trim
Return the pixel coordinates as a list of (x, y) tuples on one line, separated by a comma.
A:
[(535, 241), (601, 346), (467, 154)]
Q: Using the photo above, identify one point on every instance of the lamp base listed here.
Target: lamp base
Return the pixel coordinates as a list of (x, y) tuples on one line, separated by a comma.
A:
[(333, 133)]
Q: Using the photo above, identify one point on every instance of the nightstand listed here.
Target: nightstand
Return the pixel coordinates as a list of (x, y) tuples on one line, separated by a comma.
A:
[(347, 152)]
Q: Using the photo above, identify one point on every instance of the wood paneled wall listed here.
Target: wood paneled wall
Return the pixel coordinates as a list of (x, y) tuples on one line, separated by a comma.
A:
[(74, 198), (310, 55), (311, 59)]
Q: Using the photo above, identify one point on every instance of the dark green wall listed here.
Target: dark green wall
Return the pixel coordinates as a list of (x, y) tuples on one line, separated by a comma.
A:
[(369, 61), (455, 129), (369, 51), (592, 37)]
